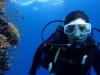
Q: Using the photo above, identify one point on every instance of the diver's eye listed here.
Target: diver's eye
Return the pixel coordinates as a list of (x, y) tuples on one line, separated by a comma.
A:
[(82, 28), (70, 28)]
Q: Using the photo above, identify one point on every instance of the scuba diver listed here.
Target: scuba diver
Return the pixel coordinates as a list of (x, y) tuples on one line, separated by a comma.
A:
[(70, 50), (9, 37)]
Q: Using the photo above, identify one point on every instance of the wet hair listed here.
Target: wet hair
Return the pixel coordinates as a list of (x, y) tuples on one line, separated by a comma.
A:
[(74, 15)]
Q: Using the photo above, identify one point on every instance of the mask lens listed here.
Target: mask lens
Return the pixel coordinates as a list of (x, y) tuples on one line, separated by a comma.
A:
[(82, 27), (70, 28), (85, 28)]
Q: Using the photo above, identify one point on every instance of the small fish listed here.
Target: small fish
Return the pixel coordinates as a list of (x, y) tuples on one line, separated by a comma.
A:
[(22, 17), (17, 11)]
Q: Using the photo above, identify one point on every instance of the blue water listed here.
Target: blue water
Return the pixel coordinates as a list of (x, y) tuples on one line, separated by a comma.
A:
[(30, 16)]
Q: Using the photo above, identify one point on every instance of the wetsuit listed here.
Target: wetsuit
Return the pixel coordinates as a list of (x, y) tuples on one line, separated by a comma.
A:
[(74, 59)]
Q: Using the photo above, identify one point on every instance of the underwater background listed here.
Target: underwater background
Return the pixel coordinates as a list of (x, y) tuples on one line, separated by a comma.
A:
[(30, 16)]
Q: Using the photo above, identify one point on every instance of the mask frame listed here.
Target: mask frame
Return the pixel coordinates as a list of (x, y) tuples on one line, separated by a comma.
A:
[(82, 28)]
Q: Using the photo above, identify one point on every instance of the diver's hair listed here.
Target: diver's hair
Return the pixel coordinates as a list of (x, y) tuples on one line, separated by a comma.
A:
[(74, 15)]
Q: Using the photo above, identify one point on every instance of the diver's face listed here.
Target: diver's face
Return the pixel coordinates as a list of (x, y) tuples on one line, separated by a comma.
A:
[(77, 30)]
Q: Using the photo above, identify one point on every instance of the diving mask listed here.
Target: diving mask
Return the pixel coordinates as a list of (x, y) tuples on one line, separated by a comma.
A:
[(82, 28)]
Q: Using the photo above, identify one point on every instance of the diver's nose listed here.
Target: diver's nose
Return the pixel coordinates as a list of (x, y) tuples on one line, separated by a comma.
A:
[(76, 32)]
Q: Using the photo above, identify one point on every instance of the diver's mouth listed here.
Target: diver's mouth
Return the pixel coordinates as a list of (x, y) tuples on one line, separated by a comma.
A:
[(80, 40), (77, 39)]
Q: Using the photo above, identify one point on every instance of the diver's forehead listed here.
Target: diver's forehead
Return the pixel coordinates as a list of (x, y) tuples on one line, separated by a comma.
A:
[(78, 21)]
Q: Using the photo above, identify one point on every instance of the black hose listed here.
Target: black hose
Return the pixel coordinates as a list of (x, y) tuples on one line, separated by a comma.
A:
[(46, 26)]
